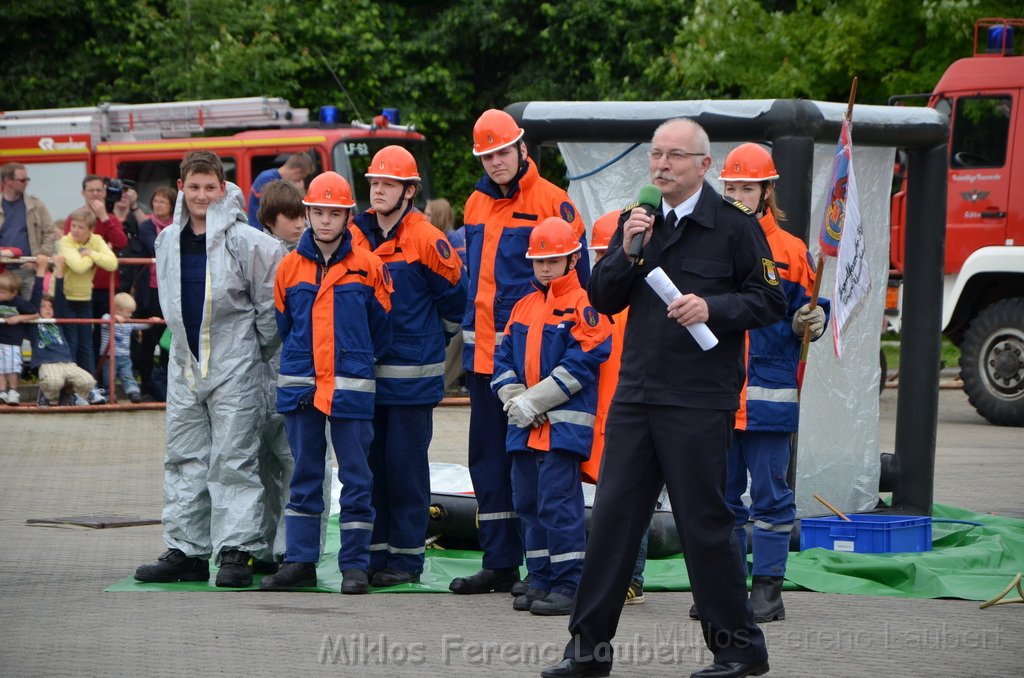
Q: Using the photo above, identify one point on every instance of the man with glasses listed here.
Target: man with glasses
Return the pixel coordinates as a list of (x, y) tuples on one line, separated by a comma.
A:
[(25, 223), (673, 411)]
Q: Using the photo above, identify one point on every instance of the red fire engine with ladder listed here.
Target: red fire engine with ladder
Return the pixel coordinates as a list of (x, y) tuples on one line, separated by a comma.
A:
[(145, 143)]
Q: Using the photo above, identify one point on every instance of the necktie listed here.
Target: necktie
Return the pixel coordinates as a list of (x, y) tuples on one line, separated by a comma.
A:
[(670, 220)]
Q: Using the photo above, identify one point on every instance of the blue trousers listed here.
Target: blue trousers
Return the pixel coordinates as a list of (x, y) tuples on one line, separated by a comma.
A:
[(351, 439), (765, 454), (401, 485), (125, 372), (548, 498), (491, 471), (79, 336)]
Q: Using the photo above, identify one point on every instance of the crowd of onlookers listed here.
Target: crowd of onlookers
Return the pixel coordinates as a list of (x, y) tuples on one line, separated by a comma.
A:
[(86, 283)]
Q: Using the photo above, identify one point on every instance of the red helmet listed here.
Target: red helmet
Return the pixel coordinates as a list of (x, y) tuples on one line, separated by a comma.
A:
[(604, 229), (749, 162), (329, 190), (393, 162), (552, 238), (495, 130)]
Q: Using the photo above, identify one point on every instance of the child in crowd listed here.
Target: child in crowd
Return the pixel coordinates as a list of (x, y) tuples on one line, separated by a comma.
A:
[(13, 310), (51, 354), (124, 307), (329, 343), (545, 373), (281, 212), (83, 252)]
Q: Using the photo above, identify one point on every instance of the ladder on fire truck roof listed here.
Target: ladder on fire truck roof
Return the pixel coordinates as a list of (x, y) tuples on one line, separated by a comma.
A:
[(126, 122)]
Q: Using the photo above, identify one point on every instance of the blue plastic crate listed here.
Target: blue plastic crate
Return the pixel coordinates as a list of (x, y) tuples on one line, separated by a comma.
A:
[(867, 533)]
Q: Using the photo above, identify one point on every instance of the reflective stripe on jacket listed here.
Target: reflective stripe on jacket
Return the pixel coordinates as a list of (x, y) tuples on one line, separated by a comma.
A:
[(333, 320)]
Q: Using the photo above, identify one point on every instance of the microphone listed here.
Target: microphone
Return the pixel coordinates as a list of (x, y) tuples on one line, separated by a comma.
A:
[(648, 199)]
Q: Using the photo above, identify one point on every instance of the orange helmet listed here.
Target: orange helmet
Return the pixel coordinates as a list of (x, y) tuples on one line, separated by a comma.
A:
[(749, 162), (329, 190), (552, 238), (393, 162), (495, 130), (604, 229)]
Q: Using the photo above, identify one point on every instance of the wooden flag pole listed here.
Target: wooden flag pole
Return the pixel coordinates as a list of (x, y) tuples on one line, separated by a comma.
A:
[(819, 269)]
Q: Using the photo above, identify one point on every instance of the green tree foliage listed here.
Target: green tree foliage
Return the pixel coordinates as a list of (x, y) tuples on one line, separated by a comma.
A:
[(443, 62)]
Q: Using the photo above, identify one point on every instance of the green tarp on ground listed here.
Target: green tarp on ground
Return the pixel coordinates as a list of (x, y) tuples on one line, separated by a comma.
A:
[(966, 561)]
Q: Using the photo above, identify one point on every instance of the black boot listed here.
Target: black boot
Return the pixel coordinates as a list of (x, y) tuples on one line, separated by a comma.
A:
[(522, 603), (354, 582), (291, 576), (766, 599), (235, 569), (486, 581), (391, 576), (521, 586), (174, 565)]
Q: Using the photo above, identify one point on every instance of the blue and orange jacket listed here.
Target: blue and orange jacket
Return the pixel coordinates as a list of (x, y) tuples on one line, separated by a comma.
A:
[(497, 235), (769, 400), (428, 303), (334, 321), (555, 332)]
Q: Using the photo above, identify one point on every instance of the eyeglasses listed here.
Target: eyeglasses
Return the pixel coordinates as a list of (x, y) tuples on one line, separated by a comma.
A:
[(673, 156), (23, 180)]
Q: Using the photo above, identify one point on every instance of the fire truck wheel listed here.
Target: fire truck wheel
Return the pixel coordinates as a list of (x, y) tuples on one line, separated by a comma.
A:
[(992, 362)]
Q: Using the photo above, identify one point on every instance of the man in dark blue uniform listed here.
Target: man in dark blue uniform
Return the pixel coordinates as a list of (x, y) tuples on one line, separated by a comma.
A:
[(672, 415)]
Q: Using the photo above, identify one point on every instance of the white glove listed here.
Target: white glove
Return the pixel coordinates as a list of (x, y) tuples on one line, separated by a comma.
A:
[(534, 402), (813, 318), (510, 391), (520, 412)]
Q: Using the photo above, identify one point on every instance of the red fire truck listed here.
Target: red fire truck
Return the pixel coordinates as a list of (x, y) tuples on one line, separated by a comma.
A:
[(983, 304), (146, 142)]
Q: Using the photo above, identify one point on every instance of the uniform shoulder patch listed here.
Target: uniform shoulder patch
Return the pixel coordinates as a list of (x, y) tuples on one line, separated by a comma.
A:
[(630, 207), (738, 205), (444, 249), (567, 211), (771, 276), (386, 274), (591, 316)]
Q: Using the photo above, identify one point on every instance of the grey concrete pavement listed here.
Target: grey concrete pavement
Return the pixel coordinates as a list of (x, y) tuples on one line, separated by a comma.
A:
[(58, 621)]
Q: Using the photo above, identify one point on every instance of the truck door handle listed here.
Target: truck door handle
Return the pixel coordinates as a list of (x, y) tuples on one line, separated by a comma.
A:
[(993, 215)]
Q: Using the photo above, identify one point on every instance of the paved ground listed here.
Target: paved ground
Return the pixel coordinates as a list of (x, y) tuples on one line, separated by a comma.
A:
[(58, 621)]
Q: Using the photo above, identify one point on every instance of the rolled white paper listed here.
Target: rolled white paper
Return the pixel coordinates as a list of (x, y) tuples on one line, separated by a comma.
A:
[(667, 290)]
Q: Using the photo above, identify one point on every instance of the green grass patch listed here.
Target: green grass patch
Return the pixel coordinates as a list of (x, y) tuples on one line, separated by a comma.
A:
[(948, 353)]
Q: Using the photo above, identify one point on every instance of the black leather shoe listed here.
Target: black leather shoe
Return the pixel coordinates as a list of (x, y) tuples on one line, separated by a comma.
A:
[(173, 565), (291, 576), (486, 581), (235, 569), (552, 605), (523, 602), (693, 612), (574, 668), (390, 576), (354, 582), (732, 670)]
